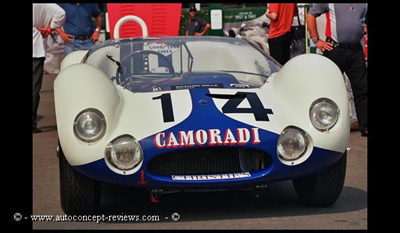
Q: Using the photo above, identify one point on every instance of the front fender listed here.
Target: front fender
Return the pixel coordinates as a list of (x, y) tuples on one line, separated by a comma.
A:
[(299, 83), (77, 88), (73, 58)]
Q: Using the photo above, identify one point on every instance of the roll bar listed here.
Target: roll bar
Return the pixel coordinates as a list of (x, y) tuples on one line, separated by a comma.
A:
[(130, 18)]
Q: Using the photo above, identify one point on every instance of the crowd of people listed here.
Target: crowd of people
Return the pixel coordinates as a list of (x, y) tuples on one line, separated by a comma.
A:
[(345, 28)]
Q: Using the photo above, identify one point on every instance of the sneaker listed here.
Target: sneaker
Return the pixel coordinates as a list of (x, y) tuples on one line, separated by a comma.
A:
[(36, 130)]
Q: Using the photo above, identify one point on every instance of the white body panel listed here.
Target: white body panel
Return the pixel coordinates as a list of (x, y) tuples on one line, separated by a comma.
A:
[(73, 58), (299, 83)]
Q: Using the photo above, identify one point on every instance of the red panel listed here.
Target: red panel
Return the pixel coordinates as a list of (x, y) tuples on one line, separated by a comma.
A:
[(366, 47), (328, 31), (161, 19)]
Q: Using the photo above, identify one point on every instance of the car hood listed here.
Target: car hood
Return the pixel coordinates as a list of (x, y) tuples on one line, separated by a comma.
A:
[(189, 118)]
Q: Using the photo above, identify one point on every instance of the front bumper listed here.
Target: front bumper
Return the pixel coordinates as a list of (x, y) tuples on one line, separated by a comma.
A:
[(276, 171)]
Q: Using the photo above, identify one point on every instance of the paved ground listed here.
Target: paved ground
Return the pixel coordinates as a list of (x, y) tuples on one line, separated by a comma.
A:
[(276, 208)]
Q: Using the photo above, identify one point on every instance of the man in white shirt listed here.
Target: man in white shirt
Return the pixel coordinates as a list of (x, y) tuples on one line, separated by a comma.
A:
[(46, 17)]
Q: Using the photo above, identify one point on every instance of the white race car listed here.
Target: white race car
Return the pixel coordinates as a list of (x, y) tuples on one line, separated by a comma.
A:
[(194, 113)]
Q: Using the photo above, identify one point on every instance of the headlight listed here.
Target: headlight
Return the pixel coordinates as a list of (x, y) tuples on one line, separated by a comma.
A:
[(90, 125), (292, 143), (324, 114), (124, 152)]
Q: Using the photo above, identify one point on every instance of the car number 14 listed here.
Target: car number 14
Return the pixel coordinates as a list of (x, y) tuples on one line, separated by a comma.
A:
[(231, 106)]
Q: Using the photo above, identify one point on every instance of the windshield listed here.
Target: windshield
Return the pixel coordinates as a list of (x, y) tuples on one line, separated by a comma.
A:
[(173, 63)]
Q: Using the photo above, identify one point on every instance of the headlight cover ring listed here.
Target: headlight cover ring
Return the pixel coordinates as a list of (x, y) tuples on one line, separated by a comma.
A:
[(324, 114), (292, 143), (90, 125), (124, 154)]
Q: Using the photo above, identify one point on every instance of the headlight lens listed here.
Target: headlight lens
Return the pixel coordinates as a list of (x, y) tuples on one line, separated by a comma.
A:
[(324, 114), (292, 143), (124, 152), (90, 125)]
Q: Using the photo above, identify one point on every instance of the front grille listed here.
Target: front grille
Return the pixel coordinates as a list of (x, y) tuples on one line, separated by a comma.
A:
[(205, 161)]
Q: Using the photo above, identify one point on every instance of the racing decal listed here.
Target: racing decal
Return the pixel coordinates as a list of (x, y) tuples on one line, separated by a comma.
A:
[(212, 177), (155, 89), (193, 86), (256, 107), (166, 105), (163, 48), (212, 137), (238, 85)]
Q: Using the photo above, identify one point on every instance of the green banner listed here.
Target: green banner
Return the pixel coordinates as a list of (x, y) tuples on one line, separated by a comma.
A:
[(240, 15)]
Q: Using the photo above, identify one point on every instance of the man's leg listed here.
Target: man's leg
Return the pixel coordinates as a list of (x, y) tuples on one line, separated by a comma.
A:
[(276, 49), (338, 56), (350, 96), (83, 44), (37, 79), (69, 48), (357, 73), (87, 44), (286, 47)]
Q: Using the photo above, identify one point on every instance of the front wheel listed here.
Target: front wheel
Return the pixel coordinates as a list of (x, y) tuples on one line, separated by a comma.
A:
[(322, 189), (79, 194)]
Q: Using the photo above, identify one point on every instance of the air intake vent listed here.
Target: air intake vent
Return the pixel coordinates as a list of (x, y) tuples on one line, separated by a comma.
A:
[(205, 161)]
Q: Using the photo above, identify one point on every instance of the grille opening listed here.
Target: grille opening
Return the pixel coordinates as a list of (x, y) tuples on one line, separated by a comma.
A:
[(207, 161)]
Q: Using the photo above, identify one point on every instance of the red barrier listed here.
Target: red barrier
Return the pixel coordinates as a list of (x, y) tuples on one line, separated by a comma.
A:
[(161, 19)]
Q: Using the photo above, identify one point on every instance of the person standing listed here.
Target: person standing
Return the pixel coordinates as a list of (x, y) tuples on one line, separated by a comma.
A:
[(345, 28), (46, 17), (78, 32), (196, 25), (280, 30)]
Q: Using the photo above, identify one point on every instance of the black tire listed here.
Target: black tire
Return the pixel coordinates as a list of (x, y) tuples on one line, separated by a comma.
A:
[(79, 194), (322, 189)]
